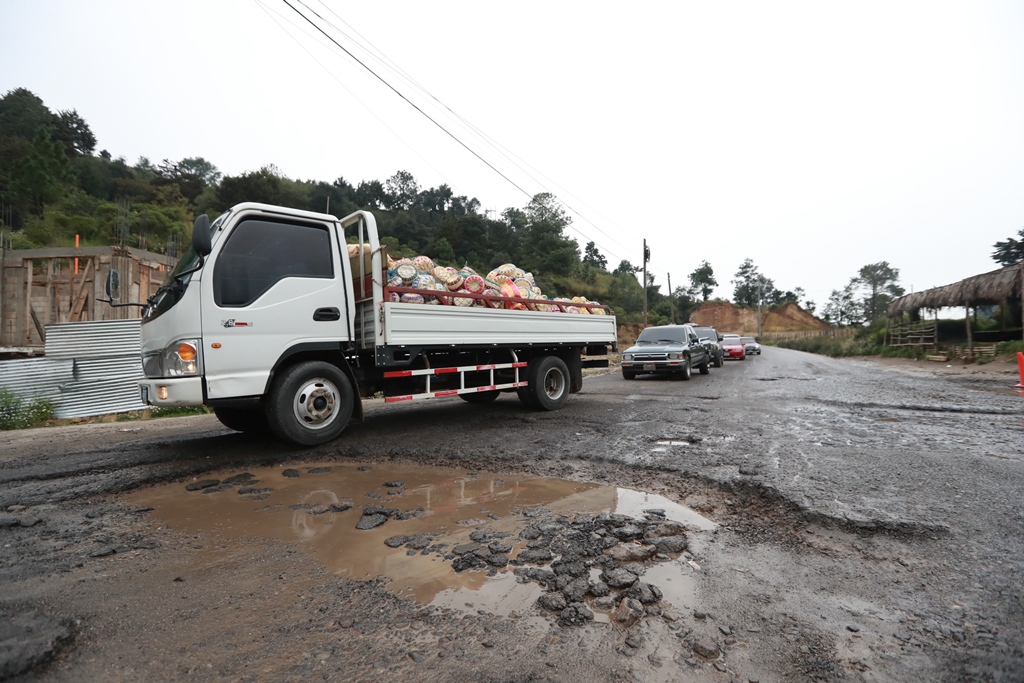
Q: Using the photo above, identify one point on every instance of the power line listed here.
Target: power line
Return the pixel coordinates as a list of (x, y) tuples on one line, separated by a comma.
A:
[(407, 100), (434, 121)]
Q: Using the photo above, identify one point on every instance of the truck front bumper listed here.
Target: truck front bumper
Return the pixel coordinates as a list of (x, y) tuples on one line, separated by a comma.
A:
[(172, 391)]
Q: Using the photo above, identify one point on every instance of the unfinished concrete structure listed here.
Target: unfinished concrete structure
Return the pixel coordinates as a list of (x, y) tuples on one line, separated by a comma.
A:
[(67, 284)]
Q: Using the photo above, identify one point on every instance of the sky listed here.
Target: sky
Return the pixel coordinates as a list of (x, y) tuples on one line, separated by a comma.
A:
[(811, 137)]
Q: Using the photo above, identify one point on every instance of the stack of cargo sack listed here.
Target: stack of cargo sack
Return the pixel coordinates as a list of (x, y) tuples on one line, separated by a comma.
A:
[(505, 281)]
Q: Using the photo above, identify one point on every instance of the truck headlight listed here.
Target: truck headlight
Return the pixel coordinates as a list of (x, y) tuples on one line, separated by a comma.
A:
[(627, 356), (181, 358), (673, 356)]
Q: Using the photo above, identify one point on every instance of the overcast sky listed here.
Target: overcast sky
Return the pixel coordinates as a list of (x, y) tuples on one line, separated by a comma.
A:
[(812, 137)]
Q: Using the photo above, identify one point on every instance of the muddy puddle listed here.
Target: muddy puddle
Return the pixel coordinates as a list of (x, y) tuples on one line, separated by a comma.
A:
[(415, 521)]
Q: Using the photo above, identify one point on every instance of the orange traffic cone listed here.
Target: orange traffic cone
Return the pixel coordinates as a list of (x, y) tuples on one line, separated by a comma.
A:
[(1020, 368)]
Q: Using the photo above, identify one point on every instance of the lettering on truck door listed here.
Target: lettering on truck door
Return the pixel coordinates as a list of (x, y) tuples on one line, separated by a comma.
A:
[(276, 282)]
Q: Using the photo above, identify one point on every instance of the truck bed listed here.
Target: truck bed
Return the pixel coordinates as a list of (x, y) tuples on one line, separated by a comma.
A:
[(425, 325)]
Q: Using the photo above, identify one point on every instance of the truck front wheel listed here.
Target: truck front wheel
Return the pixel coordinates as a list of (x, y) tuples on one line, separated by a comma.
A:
[(310, 403), (548, 379)]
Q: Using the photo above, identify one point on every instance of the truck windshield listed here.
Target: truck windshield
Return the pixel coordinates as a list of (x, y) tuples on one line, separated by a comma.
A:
[(655, 335), (174, 287)]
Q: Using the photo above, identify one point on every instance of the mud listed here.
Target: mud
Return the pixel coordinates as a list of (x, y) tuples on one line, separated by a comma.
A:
[(846, 520)]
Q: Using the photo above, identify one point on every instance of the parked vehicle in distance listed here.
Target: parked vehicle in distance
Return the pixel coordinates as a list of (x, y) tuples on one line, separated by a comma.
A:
[(732, 347), (709, 336), (750, 346), (669, 350)]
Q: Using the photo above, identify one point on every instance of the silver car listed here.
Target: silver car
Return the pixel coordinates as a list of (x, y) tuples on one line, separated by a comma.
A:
[(751, 346)]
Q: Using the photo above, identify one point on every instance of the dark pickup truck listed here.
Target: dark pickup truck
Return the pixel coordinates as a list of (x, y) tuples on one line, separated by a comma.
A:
[(668, 349)]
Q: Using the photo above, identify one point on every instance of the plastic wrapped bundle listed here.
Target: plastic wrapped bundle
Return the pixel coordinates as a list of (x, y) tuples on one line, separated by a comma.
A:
[(463, 301), (412, 298)]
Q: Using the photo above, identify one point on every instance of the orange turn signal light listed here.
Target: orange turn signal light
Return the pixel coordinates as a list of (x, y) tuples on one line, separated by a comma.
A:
[(186, 352)]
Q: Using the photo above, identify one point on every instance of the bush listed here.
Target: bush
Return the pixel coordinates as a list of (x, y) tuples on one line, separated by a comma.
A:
[(1016, 346), (19, 413), (829, 346)]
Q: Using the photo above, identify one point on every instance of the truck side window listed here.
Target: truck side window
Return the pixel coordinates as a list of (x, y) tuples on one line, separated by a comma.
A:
[(261, 252)]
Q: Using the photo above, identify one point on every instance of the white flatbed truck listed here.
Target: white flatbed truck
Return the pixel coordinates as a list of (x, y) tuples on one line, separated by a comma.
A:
[(282, 318)]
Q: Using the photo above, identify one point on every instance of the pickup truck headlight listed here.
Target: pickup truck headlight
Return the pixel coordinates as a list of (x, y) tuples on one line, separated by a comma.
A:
[(179, 359), (627, 356), (673, 356)]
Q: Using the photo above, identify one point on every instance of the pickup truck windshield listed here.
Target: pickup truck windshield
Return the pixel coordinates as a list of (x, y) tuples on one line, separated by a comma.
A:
[(653, 335)]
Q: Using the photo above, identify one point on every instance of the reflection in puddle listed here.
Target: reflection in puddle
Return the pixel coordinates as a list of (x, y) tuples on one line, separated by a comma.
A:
[(441, 507)]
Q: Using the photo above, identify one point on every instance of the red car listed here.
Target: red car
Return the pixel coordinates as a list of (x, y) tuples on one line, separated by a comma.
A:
[(732, 347)]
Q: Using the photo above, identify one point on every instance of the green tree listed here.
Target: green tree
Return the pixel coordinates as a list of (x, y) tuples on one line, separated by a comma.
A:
[(41, 177), (880, 282), (592, 257), (192, 175), (702, 280), (543, 249), (74, 133), (626, 267), (400, 191), (751, 288), (843, 307), (1010, 251)]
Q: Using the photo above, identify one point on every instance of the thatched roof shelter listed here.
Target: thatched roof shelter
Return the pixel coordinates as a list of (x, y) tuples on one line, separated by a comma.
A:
[(988, 289)]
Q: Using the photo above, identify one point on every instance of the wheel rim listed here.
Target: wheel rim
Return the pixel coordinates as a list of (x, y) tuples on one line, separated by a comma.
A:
[(315, 403), (554, 384)]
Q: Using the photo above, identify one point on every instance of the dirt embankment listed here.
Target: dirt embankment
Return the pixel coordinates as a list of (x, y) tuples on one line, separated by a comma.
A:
[(726, 317)]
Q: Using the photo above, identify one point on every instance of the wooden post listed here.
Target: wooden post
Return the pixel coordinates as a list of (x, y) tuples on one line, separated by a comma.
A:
[(970, 340), (28, 301), (47, 307)]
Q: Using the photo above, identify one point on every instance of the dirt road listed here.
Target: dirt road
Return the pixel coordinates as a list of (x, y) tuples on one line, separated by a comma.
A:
[(786, 518)]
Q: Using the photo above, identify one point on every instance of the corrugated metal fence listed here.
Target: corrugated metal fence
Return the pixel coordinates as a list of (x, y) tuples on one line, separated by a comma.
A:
[(90, 368)]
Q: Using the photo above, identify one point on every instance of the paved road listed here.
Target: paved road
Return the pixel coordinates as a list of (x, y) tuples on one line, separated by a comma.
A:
[(870, 518)]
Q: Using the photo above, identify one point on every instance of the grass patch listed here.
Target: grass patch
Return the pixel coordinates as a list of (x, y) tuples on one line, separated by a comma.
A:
[(20, 413), (1016, 346)]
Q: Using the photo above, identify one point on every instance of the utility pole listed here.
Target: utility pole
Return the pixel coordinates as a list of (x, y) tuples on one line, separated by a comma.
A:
[(671, 303), (647, 257), (760, 295)]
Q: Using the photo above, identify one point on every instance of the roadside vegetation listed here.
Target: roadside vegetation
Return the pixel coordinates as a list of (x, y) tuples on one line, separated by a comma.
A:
[(20, 413)]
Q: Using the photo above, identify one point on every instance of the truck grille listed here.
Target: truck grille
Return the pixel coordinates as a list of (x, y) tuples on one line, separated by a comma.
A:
[(649, 357)]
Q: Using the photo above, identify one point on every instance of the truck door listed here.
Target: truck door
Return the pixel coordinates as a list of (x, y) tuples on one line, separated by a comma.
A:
[(277, 281)]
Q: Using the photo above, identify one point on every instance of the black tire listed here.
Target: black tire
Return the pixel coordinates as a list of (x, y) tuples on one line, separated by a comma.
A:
[(719, 360), (549, 382), (687, 371), (480, 396), (628, 374), (526, 397), (310, 403), (705, 367), (743, 357), (243, 419)]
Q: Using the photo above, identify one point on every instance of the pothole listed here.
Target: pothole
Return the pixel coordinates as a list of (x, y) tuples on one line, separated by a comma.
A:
[(466, 541)]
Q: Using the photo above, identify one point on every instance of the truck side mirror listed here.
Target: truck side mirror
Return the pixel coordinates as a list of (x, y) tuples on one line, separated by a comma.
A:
[(201, 242), (113, 285)]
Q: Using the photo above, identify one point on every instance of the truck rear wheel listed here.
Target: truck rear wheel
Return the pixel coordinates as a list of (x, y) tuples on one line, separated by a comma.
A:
[(549, 382), (242, 419), (310, 403)]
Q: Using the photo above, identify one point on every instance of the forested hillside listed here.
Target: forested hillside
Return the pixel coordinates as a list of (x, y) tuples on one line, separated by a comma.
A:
[(54, 185)]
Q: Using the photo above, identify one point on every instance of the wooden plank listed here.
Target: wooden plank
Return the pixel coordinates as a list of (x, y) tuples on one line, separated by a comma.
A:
[(80, 295), (39, 325), (29, 314)]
